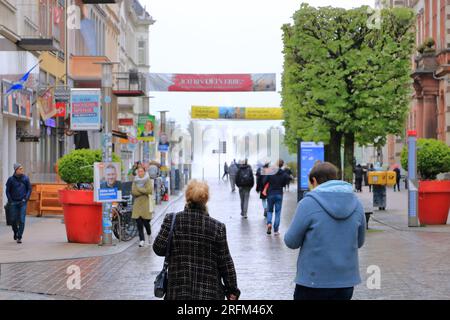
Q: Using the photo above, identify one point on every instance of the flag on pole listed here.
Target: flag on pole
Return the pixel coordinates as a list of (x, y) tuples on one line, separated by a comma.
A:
[(19, 85)]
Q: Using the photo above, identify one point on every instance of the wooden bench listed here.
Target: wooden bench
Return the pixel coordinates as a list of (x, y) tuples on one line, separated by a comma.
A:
[(45, 199)]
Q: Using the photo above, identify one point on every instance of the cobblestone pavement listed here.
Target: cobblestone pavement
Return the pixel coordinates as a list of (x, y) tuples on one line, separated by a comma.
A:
[(414, 265)]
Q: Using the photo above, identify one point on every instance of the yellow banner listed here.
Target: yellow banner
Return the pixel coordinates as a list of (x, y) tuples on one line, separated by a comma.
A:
[(236, 113)]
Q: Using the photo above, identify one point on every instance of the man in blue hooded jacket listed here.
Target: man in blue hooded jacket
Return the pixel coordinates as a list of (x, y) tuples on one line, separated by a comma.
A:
[(18, 192), (329, 227)]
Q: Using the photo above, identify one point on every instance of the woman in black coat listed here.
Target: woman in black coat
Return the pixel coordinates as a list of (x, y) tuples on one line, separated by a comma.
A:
[(200, 264), (260, 186)]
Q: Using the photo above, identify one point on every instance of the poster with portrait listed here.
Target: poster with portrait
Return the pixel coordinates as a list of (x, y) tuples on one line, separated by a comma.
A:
[(146, 128), (163, 144), (107, 182)]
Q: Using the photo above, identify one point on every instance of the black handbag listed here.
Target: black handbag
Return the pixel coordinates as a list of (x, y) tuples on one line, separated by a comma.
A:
[(9, 214), (160, 284)]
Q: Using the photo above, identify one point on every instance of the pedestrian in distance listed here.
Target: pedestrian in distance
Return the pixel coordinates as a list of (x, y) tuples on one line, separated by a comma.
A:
[(260, 174), (276, 182), (371, 168), (225, 170), (290, 175), (142, 190), (18, 192), (245, 182), (232, 170), (329, 226), (200, 263), (398, 176), (358, 177)]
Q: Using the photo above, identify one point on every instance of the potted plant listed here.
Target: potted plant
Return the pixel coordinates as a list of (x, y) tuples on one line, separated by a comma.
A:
[(82, 216), (433, 158)]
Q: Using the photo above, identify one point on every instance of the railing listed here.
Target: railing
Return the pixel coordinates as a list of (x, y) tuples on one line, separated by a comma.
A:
[(129, 81)]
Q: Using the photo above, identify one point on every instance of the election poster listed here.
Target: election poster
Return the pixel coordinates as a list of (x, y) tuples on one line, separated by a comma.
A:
[(85, 112), (107, 182), (146, 128)]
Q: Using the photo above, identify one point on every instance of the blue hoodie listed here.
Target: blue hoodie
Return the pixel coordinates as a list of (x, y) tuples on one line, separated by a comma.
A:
[(329, 226)]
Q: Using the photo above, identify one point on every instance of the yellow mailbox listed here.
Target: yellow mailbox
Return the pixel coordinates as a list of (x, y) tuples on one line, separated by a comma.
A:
[(391, 178), (377, 177)]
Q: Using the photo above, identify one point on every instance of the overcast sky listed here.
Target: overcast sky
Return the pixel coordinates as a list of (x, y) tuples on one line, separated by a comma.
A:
[(221, 36)]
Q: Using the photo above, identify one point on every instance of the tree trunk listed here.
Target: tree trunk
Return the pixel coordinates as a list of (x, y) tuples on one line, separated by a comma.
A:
[(333, 149), (349, 150)]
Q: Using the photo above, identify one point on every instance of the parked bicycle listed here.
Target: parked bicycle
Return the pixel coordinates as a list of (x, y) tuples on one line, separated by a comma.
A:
[(123, 226)]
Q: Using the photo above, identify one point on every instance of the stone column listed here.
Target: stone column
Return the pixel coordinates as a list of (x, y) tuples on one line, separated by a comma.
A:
[(429, 116), (419, 116)]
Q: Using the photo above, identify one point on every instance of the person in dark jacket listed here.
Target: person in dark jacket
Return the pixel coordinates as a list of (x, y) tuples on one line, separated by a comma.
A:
[(18, 192), (225, 170), (358, 177), (276, 182), (329, 226), (398, 176), (232, 170), (200, 263), (245, 182), (260, 174), (371, 168)]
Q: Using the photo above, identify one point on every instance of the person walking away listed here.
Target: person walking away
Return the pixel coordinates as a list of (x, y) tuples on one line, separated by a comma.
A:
[(398, 176), (290, 175), (358, 177), (232, 170), (225, 171), (18, 192), (260, 174), (276, 182), (245, 182), (142, 190), (371, 168), (329, 227), (200, 263)]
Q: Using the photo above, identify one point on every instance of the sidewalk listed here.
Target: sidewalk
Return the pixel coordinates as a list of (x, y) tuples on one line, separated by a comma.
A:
[(45, 239), (396, 214)]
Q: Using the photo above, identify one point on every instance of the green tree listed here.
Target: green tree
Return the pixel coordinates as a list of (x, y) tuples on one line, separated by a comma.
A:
[(346, 82)]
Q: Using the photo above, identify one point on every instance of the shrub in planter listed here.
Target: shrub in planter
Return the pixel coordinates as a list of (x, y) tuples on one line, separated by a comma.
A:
[(77, 167), (433, 158), (82, 216)]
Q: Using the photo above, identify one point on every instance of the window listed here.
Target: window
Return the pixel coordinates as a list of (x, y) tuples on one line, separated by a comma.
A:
[(141, 52)]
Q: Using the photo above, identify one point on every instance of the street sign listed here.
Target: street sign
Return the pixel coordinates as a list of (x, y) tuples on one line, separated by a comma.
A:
[(223, 147)]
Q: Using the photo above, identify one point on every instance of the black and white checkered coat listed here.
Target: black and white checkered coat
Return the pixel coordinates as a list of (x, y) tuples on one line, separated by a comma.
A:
[(199, 260)]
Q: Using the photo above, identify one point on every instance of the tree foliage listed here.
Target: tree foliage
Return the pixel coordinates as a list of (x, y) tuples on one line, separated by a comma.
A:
[(340, 76)]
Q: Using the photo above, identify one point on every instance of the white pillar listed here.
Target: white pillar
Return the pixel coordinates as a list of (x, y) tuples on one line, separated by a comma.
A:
[(5, 156)]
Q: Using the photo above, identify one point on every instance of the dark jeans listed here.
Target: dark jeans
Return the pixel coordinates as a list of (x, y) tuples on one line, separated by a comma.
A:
[(276, 201), (244, 192), (398, 185), (141, 223), (305, 293), (19, 211)]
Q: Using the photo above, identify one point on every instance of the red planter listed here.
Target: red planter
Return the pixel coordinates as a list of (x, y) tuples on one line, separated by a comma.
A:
[(434, 202), (82, 216)]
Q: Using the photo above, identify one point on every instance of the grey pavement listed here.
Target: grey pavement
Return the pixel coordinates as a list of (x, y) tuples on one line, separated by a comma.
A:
[(413, 265), (45, 240)]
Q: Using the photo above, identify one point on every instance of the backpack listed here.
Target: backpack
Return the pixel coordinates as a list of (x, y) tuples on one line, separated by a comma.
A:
[(153, 171), (245, 177)]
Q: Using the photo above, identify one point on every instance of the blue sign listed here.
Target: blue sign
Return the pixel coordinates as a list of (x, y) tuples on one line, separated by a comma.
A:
[(50, 123), (105, 194), (310, 153)]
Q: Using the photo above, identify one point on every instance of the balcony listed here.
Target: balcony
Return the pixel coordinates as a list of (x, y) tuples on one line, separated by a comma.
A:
[(86, 72), (98, 1), (43, 27), (129, 84)]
